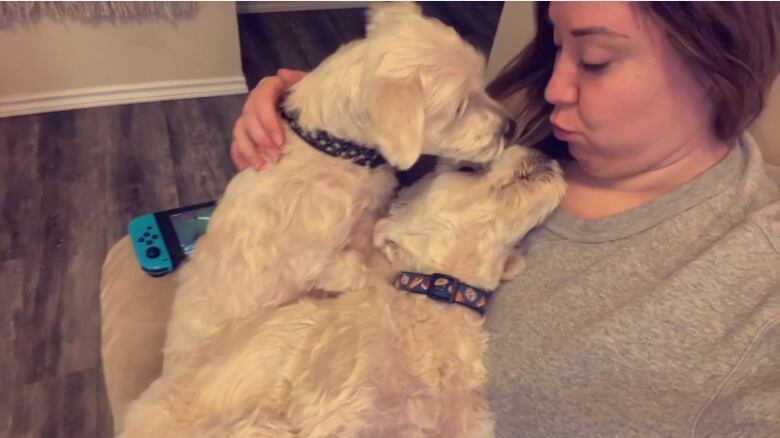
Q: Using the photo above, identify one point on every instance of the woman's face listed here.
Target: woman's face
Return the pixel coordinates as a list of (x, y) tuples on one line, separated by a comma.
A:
[(623, 99)]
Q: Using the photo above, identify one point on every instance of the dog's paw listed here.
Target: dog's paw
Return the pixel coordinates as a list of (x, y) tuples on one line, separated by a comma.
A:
[(513, 267)]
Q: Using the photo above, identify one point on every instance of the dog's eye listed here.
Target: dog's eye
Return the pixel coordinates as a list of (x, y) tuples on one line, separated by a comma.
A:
[(522, 173), (462, 108)]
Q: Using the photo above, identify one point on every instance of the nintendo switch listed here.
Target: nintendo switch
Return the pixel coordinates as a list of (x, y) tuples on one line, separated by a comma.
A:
[(164, 239)]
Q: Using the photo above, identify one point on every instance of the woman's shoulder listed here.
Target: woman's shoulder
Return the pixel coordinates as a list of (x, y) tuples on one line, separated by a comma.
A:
[(766, 220), (773, 174)]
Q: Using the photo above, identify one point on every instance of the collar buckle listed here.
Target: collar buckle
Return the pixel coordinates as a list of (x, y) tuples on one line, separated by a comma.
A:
[(443, 287)]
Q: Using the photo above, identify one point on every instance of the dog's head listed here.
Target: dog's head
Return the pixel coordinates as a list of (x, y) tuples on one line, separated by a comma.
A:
[(468, 224), (412, 87)]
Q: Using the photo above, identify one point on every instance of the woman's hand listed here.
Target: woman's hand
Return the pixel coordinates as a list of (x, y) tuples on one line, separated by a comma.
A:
[(257, 134)]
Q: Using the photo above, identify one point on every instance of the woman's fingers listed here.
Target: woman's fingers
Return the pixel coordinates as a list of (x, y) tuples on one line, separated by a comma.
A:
[(262, 106), (243, 150), (258, 135), (240, 162), (290, 77), (263, 143)]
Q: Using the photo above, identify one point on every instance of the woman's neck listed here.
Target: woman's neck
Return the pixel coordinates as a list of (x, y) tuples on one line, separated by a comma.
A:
[(591, 198)]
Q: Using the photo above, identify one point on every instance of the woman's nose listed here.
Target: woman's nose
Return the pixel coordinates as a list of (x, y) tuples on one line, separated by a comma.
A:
[(562, 86)]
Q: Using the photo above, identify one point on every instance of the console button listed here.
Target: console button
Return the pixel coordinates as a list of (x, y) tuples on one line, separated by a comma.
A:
[(153, 252)]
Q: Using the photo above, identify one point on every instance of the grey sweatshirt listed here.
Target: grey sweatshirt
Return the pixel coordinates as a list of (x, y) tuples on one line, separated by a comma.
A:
[(663, 321)]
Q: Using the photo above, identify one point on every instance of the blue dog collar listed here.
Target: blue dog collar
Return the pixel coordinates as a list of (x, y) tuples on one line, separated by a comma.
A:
[(442, 287), (335, 147)]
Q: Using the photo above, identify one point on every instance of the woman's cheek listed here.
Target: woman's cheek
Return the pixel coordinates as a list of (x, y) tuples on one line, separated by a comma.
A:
[(615, 101)]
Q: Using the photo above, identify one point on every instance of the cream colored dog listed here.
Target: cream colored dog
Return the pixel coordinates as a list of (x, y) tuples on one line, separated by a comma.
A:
[(376, 362), (411, 87)]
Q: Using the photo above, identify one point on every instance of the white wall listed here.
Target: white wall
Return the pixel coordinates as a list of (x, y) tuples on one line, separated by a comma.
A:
[(67, 65), (516, 28)]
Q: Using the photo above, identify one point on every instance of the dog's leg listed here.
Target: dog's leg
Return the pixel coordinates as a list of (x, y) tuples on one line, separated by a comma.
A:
[(471, 419), (192, 321), (359, 262), (168, 409), (151, 416), (256, 424), (150, 421), (513, 267), (482, 428), (345, 272)]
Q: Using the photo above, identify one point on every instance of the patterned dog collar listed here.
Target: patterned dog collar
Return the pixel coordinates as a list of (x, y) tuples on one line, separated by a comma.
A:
[(442, 287), (336, 147)]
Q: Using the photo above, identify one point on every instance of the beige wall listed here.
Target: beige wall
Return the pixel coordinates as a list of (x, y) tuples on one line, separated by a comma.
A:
[(767, 128), (516, 28), (247, 7), (55, 58)]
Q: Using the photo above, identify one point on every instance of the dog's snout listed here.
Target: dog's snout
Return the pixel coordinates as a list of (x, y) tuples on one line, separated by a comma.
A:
[(538, 156), (509, 129)]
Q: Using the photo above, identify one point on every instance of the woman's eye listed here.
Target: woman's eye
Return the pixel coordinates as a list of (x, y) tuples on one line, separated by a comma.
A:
[(593, 68)]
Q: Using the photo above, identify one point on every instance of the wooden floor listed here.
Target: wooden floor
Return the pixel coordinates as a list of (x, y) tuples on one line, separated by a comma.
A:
[(69, 183)]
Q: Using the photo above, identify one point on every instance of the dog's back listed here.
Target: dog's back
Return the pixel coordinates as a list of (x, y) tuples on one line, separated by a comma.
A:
[(399, 93), (272, 237), (376, 362)]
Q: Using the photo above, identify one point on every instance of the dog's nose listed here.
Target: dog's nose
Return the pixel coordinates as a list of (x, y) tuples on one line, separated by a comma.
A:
[(509, 129)]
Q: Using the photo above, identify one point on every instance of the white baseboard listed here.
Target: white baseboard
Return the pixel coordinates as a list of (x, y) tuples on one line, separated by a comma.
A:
[(20, 104), (270, 6)]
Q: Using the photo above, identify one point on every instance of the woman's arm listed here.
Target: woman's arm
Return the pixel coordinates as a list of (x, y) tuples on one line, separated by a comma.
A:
[(747, 403), (258, 135)]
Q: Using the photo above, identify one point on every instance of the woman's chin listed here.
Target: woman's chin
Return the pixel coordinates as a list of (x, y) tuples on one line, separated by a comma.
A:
[(579, 150)]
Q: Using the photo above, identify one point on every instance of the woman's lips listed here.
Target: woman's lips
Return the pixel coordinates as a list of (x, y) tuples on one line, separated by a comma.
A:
[(562, 134)]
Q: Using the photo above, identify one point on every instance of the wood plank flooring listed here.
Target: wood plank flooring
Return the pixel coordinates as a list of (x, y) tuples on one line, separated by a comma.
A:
[(69, 183)]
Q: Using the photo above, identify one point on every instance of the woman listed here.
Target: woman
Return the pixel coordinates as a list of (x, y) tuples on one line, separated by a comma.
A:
[(651, 301)]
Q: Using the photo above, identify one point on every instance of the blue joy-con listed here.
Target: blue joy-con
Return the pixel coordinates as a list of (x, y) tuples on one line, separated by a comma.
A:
[(150, 249)]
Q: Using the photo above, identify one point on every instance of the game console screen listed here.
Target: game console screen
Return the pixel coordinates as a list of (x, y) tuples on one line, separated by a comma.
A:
[(190, 225)]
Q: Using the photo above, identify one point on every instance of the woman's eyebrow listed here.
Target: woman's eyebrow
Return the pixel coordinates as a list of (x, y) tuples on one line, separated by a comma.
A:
[(596, 30)]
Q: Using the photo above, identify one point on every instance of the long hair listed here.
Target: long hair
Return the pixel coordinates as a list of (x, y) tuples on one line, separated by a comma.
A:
[(733, 47)]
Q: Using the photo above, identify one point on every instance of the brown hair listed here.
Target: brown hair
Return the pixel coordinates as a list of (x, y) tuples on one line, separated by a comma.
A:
[(733, 46)]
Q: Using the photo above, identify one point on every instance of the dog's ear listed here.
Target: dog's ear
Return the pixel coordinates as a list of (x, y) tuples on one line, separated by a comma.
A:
[(381, 14), (513, 266), (397, 121)]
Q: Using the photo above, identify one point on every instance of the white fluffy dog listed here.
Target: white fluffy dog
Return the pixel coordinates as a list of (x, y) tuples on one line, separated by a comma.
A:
[(411, 87), (378, 362)]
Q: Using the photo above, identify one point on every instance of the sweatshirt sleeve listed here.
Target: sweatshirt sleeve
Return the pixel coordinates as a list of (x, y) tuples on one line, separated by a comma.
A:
[(747, 403)]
